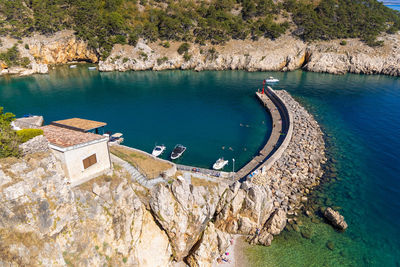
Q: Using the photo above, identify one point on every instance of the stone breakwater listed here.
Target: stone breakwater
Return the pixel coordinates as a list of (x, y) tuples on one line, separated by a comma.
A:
[(112, 220), (299, 169), (286, 53)]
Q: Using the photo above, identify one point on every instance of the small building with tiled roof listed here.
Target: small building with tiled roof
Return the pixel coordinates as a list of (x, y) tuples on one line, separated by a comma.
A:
[(84, 155), (79, 124)]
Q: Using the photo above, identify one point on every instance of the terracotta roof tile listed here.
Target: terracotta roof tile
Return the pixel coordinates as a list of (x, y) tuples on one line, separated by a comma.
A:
[(79, 124), (63, 137)]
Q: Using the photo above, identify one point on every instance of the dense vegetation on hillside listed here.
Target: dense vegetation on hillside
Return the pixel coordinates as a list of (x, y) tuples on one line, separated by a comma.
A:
[(106, 22)]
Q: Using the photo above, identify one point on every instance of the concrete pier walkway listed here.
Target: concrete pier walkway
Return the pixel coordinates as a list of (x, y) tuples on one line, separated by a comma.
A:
[(280, 136)]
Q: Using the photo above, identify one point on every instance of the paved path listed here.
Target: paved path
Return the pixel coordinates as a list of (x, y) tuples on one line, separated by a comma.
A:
[(273, 107)]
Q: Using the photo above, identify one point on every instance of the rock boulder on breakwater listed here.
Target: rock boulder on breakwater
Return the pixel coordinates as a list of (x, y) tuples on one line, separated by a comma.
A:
[(335, 219)]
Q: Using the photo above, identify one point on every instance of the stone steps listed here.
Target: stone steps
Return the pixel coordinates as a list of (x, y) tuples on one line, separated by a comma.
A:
[(136, 176)]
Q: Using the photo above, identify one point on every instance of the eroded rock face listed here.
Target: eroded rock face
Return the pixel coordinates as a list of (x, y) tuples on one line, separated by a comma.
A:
[(183, 212), (212, 244), (335, 219), (46, 222), (61, 48), (243, 208), (286, 53)]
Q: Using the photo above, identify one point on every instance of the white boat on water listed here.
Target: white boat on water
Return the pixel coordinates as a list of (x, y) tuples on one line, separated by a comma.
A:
[(92, 68), (158, 150), (220, 163), (178, 151), (72, 66), (271, 80)]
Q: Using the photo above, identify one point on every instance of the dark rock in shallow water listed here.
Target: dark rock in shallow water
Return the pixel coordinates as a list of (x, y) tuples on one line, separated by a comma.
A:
[(330, 245), (307, 234), (335, 219)]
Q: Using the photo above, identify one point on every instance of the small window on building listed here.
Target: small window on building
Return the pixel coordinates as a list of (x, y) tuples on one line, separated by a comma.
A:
[(89, 161)]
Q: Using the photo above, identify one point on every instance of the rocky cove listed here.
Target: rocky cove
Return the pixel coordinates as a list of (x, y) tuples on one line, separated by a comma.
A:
[(113, 220), (286, 53)]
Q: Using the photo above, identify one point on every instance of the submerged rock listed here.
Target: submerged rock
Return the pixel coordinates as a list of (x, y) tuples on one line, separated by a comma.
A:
[(335, 219)]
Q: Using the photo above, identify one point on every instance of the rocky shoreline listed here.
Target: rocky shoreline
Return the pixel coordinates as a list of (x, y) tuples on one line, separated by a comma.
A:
[(286, 53), (113, 220)]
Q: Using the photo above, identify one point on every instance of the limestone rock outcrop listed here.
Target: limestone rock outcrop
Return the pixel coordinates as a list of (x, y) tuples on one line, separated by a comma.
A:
[(244, 208), (36, 144), (46, 222), (335, 219), (212, 244), (61, 48), (183, 211)]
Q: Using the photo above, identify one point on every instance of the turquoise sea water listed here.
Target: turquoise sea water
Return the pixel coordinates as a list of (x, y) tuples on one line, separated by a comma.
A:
[(395, 7), (209, 112), (360, 116)]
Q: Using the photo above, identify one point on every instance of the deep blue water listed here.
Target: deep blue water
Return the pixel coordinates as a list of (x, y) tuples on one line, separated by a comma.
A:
[(359, 114)]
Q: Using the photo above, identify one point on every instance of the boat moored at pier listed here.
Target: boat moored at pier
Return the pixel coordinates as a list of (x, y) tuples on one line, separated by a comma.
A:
[(178, 151)]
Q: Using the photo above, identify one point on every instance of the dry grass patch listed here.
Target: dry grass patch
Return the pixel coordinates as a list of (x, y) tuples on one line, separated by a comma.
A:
[(202, 182), (101, 180), (148, 165)]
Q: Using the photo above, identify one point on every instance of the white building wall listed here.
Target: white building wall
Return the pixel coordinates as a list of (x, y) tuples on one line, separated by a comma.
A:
[(74, 162)]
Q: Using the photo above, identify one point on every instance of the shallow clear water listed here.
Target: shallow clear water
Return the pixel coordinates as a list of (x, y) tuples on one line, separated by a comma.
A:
[(361, 117), (359, 114)]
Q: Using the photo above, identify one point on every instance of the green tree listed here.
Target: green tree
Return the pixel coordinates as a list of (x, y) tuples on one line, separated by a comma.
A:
[(9, 140)]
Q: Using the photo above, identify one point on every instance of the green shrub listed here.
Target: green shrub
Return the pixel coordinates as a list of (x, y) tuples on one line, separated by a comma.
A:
[(25, 62), (125, 59), (143, 55), (187, 56), (343, 42), (9, 140), (183, 48), (27, 46), (11, 56), (161, 60), (27, 134), (165, 44)]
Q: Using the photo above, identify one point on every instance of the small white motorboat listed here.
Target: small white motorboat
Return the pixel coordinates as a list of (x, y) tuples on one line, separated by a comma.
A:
[(72, 66), (271, 80), (220, 163), (178, 151), (158, 150), (92, 68), (116, 138)]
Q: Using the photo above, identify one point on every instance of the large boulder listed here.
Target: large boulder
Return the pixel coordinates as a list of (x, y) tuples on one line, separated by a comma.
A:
[(212, 245), (335, 219), (274, 225), (183, 211), (243, 208)]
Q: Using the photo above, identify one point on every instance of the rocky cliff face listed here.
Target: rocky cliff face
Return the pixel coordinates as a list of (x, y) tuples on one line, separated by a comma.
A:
[(110, 220), (284, 54), (46, 222), (61, 48)]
